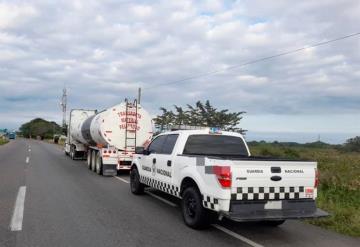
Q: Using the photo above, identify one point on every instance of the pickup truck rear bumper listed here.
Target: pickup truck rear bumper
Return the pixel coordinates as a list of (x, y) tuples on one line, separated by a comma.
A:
[(274, 210)]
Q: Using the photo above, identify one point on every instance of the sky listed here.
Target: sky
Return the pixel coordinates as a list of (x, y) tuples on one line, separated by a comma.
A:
[(102, 51)]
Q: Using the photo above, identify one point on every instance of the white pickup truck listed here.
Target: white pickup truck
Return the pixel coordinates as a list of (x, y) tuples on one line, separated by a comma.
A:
[(212, 172)]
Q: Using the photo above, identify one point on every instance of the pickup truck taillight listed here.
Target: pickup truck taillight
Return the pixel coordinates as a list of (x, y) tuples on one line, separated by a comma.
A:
[(223, 174), (316, 178)]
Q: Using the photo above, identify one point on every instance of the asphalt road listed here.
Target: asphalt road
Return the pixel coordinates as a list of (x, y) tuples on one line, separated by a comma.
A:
[(68, 205)]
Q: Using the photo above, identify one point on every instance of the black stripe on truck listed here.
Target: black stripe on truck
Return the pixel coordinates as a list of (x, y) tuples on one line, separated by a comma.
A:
[(85, 130)]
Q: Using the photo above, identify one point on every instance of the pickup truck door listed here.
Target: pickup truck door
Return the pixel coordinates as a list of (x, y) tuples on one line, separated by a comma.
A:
[(150, 161), (165, 167), (160, 161)]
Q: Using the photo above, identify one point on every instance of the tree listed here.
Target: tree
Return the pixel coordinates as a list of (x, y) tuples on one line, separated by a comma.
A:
[(40, 127), (201, 114), (353, 144)]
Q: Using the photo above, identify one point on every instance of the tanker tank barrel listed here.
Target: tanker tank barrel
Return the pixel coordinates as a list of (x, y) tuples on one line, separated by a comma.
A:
[(115, 126)]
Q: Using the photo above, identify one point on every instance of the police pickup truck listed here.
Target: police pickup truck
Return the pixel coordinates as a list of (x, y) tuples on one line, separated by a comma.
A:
[(213, 173)]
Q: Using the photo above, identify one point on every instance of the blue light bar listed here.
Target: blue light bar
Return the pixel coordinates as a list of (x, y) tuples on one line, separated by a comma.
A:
[(213, 130)]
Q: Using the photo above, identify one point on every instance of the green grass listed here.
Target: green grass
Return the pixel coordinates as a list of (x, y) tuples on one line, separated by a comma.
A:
[(339, 190), (3, 141), (61, 142)]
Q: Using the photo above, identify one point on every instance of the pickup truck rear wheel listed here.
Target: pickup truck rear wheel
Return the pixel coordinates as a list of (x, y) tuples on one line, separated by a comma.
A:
[(194, 214), (136, 186)]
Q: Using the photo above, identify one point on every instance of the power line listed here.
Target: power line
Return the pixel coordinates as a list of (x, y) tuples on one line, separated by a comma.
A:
[(254, 61)]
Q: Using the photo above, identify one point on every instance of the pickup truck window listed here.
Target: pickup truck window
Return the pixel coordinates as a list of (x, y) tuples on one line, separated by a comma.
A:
[(169, 144), (163, 144), (215, 145), (157, 144)]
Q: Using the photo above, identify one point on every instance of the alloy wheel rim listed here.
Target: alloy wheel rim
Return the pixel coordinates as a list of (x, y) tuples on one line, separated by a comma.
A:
[(190, 206)]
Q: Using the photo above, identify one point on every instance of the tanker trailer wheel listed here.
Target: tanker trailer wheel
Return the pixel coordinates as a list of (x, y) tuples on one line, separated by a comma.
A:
[(66, 153), (99, 165), (72, 152), (89, 160), (93, 160)]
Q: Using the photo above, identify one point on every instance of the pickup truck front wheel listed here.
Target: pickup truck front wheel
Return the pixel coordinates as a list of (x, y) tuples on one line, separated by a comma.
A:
[(194, 214), (137, 188)]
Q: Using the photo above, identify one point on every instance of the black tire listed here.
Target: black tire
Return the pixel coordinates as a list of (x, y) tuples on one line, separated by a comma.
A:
[(273, 223), (136, 186), (99, 165), (193, 212), (72, 152), (93, 160), (89, 159)]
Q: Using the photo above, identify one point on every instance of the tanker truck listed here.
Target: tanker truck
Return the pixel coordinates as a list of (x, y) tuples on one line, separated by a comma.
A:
[(108, 139)]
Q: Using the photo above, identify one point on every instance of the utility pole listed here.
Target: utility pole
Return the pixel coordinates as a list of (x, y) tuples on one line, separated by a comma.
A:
[(63, 104), (139, 95)]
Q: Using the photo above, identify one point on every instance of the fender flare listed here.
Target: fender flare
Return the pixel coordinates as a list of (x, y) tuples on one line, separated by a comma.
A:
[(134, 164), (197, 179)]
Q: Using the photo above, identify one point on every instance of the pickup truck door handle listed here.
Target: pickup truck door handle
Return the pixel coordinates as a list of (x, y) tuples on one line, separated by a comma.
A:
[(275, 178), (275, 169), (169, 163), (154, 160)]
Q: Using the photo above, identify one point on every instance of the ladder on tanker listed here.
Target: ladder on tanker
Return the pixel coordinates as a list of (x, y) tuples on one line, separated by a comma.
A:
[(131, 125)]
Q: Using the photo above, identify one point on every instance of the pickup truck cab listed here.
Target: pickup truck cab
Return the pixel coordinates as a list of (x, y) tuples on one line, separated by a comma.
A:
[(213, 172)]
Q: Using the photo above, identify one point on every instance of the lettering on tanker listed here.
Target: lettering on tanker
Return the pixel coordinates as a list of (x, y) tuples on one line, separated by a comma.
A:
[(130, 113), (131, 119)]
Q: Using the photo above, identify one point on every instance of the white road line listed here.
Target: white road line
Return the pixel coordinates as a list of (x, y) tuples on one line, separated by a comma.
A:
[(238, 236), (121, 179), (149, 193), (27, 160), (17, 218), (29, 149), (223, 229), (161, 199)]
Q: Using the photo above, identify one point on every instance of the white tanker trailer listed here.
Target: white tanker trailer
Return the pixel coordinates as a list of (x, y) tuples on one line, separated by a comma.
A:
[(108, 139)]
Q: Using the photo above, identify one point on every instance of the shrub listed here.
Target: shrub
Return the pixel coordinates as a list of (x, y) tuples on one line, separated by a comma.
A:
[(353, 144)]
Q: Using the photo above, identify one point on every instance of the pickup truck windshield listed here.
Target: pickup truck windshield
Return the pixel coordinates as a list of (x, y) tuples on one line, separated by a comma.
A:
[(215, 145)]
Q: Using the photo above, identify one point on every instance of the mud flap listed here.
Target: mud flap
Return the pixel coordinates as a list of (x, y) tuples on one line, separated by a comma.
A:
[(109, 170)]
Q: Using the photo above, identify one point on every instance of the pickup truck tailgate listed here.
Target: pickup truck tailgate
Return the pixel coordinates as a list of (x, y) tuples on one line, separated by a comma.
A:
[(272, 180)]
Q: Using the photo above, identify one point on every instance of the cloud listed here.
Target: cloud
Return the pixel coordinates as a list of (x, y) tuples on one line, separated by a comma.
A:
[(103, 51), (12, 15)]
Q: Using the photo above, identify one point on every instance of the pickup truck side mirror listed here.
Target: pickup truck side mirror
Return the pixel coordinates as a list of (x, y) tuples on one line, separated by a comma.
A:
[(139, 150), (142, 150)]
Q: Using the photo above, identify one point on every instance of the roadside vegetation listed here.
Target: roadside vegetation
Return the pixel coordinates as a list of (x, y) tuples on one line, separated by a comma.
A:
[(60, 141), (201, 114), (3, 141), (40, 128), (339, 190)]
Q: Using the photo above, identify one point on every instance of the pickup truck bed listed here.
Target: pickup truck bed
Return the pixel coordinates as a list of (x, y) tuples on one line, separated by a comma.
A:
[(251, 157)]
